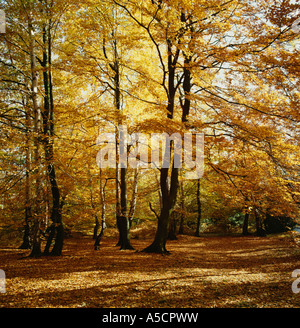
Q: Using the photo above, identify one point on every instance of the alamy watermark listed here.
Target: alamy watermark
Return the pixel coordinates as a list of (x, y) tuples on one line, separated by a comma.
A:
[(2, 282), (296, 24), (2, 21), (296, 282), (134, 150)]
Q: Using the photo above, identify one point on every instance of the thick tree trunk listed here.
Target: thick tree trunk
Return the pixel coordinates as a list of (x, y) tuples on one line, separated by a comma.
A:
[(245, 225), (56, 228), (123, 220), (168, 191), (36, 243), (172, 227), (124, 226), (260, 231), (123, 223), (96, 227), (26, 236), (59, 239), (159, 243), (51, 235), (163, 222)]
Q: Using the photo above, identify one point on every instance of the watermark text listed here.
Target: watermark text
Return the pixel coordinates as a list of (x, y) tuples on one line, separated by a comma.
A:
[(2, 21), (155, 150), (296, 282), (2, 282)]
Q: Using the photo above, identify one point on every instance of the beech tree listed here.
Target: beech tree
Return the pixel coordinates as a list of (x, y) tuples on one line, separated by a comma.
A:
[(225, 69), (198, 32), (34, 36)]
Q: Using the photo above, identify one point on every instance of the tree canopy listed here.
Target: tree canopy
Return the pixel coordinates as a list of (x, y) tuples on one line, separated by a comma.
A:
[(71, 70)]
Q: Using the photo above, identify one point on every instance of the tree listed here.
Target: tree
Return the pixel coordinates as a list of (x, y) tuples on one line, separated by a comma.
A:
[(170, 28), (199, 208), (56, 229), (28, 196), (168, 190), (103, 224), (36, 247), (34, 39), (226, 69)]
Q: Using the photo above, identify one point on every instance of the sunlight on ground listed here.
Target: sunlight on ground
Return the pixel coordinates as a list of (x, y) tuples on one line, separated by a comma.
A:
[(230, 272)]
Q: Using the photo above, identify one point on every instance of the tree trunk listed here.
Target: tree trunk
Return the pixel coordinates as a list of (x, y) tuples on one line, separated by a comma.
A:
[(51, 235), (56, 229), (186, 105), (124, 226), (36, 238), (28, 213), (121, 173), (163, 222), (26, 236), (103, 205), (118, 195), (172, 228), (134, 196), (187, 76), (199, 206), (245, 225), (97, 225), (187, 85), (168, 191), (59, 239), (98, 239), (123, 223), (123, 220), (260, 231), (182, 209), (159, 243)]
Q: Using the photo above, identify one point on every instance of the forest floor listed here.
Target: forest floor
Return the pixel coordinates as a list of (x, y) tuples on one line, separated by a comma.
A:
[(200, 272)]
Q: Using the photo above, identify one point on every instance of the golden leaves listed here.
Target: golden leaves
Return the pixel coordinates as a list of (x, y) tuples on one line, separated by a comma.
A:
[(216, 272)]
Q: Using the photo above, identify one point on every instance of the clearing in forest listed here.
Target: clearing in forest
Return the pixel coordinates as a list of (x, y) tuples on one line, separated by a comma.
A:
[(199, 272)]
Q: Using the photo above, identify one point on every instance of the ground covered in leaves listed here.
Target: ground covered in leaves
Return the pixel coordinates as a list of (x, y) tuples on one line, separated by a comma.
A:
[(199, 272)]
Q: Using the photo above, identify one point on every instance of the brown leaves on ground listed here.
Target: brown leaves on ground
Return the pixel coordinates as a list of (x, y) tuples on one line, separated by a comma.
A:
[(199, 272)]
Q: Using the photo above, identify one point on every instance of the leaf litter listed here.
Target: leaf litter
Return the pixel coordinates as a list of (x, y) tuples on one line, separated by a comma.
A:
[(199, 272)]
